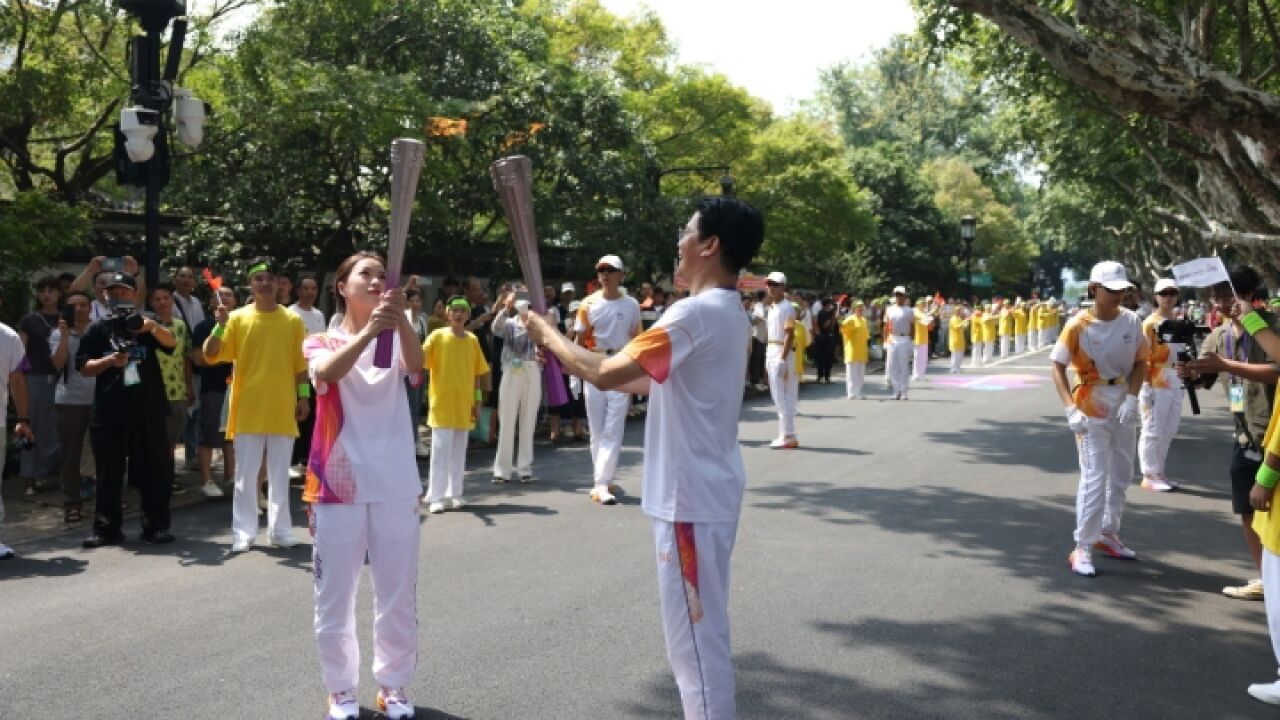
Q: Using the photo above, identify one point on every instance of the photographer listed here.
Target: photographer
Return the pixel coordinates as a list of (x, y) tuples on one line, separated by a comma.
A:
[(129, 402), (1249, 380), (1161, 397)]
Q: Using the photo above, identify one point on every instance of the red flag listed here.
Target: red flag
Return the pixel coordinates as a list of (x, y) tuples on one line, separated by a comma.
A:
[(938, 298), (215, 281)]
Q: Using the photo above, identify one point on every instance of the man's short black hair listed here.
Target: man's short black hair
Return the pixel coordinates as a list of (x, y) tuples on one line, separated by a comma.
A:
[(1246, 281), (738, 225), (67, 276)]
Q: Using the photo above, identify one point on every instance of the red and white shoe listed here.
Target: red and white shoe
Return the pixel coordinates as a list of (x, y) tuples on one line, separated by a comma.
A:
[(343, 706), (394, 703), (601, 494), (1111, 545), (1082, 562), (788, 443)]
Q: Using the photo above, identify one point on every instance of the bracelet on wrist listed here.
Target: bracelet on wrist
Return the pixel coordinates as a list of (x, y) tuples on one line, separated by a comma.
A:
[(218, 330), (1266, 477), (304, 390), (479, 395), (1253, 323)]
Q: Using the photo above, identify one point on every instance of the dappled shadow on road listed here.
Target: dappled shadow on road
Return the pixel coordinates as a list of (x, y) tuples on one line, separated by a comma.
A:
[(1041, 664), (486, 512), (806, 448), (1030, 537), (1013, 442), (23, 567)]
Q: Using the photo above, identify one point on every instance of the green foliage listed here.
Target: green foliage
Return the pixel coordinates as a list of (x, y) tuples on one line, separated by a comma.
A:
[(34, 230)]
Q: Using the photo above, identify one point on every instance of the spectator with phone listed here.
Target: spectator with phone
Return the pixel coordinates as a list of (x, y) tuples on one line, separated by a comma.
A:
[(96, 275), (73, 398)]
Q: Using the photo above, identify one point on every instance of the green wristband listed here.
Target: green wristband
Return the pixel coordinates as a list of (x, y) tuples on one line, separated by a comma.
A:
[(218, 330), (479, 395), (1266, 476), (304, 390), (1253, 323)]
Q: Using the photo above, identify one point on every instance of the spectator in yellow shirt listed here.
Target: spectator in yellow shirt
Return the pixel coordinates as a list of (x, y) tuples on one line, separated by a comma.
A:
[(857, 335)]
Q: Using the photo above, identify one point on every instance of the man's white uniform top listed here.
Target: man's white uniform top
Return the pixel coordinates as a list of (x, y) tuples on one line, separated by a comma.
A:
[(696, 357), (901, 321), (608, 324), (780, 317)]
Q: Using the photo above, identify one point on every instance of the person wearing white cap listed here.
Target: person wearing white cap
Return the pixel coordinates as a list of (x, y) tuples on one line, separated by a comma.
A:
[(899, 324), (1107, 350), (606, 321), (784, 382), (1161, 398), (519, 392)]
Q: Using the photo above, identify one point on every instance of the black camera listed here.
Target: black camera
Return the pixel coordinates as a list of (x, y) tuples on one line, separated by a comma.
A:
[(69, 315), (23, 443), (1182, 332), (125, 323)]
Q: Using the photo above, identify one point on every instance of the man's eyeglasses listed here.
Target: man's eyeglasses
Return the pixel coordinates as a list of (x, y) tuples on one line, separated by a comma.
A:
[(770, 283), (1168, 293), (606, 270)]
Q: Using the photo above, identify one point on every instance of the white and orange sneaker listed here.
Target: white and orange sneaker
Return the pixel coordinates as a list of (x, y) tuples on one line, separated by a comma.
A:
[(1111, 545), (394, 703), (786, 443), (601, 494), (1155, 484), (1082, 562), (343, 706)]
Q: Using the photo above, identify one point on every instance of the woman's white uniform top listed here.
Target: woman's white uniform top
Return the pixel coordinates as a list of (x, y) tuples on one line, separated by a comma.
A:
[(696, 357)]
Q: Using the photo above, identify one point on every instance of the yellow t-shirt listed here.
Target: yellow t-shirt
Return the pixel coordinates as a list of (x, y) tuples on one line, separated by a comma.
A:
[(955, 335), (266, 348), (1006, 323), (454, 364), (856, 334), (1048, 318), (991, 321), (800, 342), (1267, 524), (976, 328), (922, 330), (1033, 318), (1019, 322)]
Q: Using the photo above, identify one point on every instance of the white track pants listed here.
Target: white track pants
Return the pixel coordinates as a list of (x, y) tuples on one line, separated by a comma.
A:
[(1033, 339), (607, 418), (1161, 415), (784, 392), (1271, 597), (1047, 336), (988, 352), (388, 533), (448, 463), (854, 375), (975, 355), (1005, 342), (1019, 344), (518, 396), (919, 361), (898, 366), (693, 585), (957, 359), (250, 451), (1106, 469)]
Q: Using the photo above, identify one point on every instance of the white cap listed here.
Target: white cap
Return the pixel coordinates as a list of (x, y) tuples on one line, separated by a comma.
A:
[(900, 290), (776, 277), (1165, 284), (612, 261), (568, 287), (1110, 275)]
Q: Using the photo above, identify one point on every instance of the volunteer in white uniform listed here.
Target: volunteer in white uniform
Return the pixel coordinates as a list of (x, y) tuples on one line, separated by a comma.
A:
[(1107, 351), (1161, 396), (784, 381), (362, 483), (691, 363), (519, 392), (607, 320), (899, 329)]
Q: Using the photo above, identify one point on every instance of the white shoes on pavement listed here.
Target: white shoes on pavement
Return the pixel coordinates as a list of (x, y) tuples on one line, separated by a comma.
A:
[(1082, 562), (394, 703), (448, 503), (1111, 545), (240, 546), (1266, 692), (211, 490), (601, 494), (1251, 590), (343, 705)]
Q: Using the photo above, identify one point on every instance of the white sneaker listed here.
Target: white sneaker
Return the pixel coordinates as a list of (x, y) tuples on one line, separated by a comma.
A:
[(394, 703), (211, 490), (344, 705), (240, 546), (284, 542), (1111, 545), (1266, 692), (6, 552), (455, 503), (297, 472), (1251, 590), (1155, 484), (435, 508), (1082, 562), (602, 495)]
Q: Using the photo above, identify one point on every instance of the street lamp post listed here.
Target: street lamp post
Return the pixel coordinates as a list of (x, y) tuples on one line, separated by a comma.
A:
[(968, 231), (142, 144)]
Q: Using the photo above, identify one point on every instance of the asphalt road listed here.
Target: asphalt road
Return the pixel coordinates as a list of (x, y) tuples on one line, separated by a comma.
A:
[(909, 561)]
